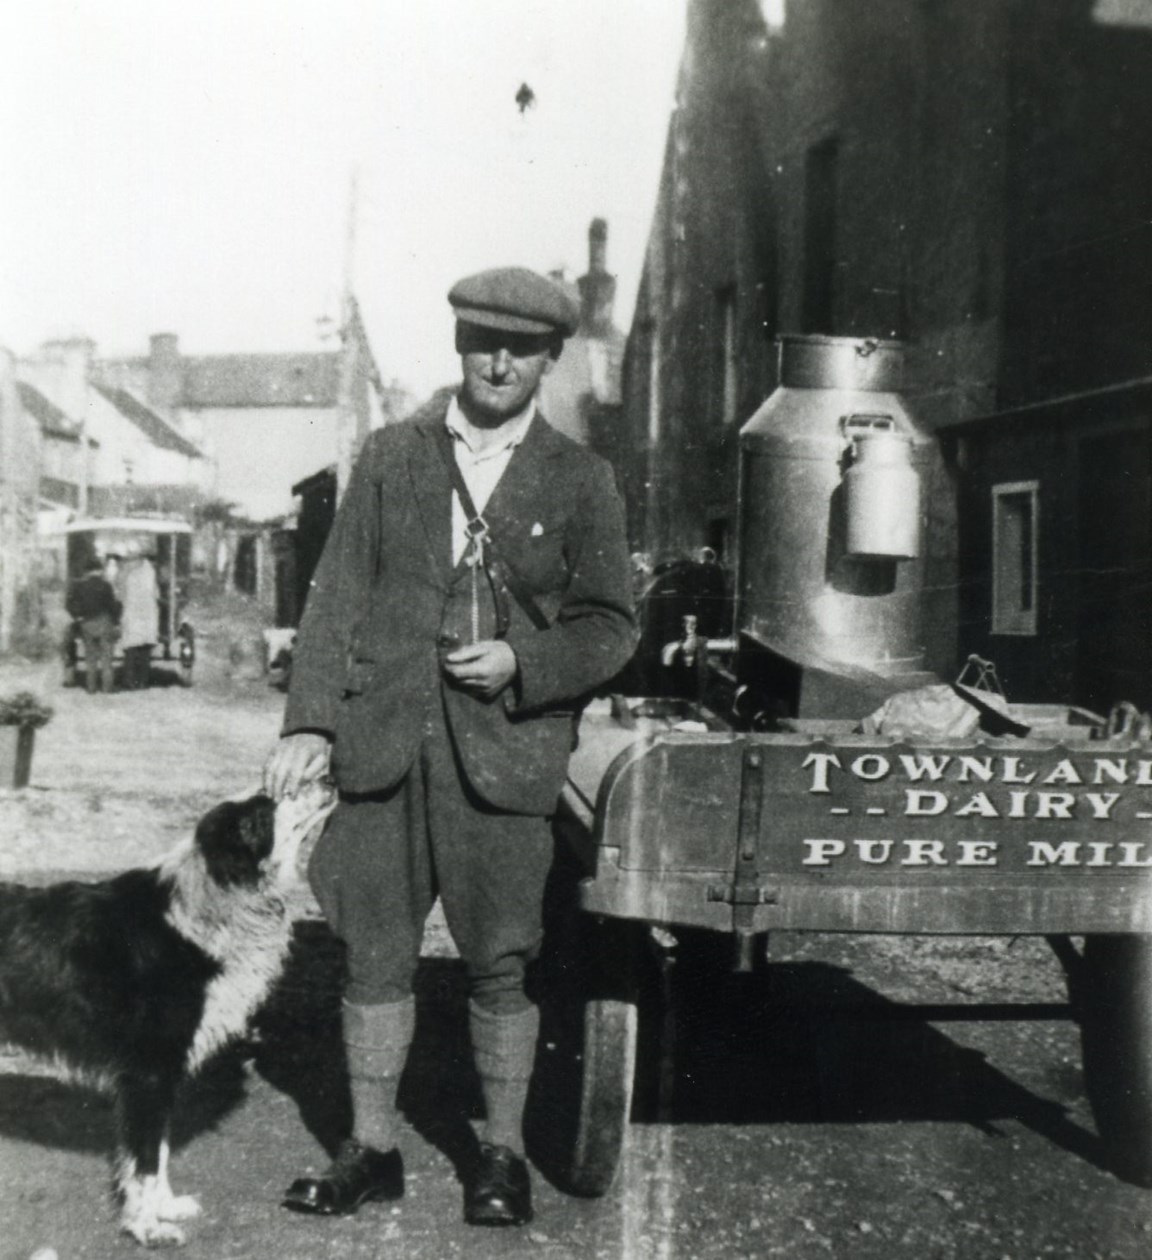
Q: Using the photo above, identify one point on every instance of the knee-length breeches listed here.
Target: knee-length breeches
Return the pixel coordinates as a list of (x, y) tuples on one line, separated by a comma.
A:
[(383, 859)]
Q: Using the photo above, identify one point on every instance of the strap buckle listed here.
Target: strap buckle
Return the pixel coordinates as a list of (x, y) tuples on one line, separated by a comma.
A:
[(477, 529)]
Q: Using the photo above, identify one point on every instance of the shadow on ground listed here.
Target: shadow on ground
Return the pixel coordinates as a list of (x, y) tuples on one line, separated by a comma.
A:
[(797, 1043), (71, 1117)]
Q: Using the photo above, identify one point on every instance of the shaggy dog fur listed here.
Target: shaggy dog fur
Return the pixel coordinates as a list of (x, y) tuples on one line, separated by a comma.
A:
[(131, 984)]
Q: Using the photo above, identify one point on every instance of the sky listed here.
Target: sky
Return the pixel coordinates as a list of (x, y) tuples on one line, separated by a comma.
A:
[(188, 166)]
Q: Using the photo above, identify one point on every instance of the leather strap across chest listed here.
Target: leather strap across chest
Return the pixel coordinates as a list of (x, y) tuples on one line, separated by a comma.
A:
[(502, 577)]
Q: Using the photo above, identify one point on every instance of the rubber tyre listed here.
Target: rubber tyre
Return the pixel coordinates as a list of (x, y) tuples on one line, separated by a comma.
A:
[(609, 1069), (1116, 1034)]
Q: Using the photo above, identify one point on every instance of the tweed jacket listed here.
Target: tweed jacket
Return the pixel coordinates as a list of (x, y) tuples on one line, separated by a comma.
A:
[(365, 667)]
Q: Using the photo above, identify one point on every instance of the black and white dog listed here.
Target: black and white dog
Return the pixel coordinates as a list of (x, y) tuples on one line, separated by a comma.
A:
[(133, 983)]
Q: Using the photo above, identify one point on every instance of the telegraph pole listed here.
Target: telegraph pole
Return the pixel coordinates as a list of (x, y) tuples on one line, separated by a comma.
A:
[(349, 421)]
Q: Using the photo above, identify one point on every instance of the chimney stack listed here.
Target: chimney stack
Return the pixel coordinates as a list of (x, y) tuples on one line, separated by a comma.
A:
[(597, 288), (164, 371), (598, 246), (64, 365)]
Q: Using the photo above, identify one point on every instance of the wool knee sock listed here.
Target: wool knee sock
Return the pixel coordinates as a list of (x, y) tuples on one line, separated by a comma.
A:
[(376, 1041), (504, 1048)]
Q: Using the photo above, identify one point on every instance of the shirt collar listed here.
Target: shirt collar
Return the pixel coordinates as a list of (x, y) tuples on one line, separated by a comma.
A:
[(458, 426)]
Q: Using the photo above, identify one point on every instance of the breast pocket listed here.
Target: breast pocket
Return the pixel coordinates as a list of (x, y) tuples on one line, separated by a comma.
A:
[(540, 557)]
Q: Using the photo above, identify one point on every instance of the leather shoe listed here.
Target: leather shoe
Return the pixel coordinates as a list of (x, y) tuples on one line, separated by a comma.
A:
[(357, 1174), (500, 1192)]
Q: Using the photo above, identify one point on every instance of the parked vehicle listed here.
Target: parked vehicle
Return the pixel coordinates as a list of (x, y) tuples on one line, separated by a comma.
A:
[(167, 542), (762, 792)]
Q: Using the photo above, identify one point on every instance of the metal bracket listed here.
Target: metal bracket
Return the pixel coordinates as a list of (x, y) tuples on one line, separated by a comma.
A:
[(743, 894), (745, 891)]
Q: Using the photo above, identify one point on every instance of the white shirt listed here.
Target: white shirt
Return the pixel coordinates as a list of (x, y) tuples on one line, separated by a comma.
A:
[(481, 469)]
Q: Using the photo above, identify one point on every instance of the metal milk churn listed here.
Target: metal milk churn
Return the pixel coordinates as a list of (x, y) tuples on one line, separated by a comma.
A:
[(832, 470), (882, 495)]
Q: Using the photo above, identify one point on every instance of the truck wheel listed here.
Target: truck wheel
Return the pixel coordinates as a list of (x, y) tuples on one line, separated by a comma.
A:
[(609, 1065), (1116, 1034), (620, 1053)]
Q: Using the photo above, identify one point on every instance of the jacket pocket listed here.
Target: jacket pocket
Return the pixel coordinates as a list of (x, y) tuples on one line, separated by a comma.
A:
[(358, 677)]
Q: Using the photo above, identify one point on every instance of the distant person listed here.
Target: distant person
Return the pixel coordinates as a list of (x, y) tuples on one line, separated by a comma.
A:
[(474, 588), (94, 608), (139, 619)]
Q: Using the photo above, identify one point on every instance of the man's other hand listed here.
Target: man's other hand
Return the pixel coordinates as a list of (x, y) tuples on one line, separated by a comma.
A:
[(295, 761), (483, 668)]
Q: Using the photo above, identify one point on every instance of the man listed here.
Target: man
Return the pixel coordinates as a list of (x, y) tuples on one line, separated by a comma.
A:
[(438, 672), (93, 606), (139, 619)]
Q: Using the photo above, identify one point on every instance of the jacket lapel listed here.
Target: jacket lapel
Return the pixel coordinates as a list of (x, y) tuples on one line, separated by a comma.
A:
[(431, 488), (518, 499), (523, 490)]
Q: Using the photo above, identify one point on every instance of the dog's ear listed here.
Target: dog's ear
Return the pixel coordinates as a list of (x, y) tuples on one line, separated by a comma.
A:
[(236, 837)]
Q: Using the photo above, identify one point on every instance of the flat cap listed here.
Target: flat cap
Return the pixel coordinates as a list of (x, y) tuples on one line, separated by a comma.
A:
[(516, 300)]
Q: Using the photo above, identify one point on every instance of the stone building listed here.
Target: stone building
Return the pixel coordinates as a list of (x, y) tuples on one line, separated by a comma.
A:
[(581, 396), (135, 459), (973, 177), (20, 448), (262, 421)]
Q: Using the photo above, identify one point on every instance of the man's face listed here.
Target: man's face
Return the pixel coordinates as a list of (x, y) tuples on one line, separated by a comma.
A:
[(501, 369)]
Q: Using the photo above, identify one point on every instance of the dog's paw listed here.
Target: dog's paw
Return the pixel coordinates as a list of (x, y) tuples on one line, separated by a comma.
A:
[(178, 1207), (153, 1233)]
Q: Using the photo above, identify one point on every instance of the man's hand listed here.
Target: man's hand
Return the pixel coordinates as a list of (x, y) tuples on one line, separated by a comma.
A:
[(483, 668), (295, 761)]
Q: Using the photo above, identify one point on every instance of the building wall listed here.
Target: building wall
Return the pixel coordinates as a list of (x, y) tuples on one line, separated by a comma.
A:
[(126, 455), (972, 177), (62, 455), (258, 454), (711, 249), (1079, 227), (120, 453), (19, 488), (912, 97), (264, 421), (1091, 465)]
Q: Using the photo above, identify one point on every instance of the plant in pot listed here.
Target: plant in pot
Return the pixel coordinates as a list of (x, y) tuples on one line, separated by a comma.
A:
[(21, 714)]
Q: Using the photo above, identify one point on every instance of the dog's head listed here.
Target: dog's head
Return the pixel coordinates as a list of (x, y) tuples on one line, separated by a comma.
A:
[(249, 841), (235, 838)]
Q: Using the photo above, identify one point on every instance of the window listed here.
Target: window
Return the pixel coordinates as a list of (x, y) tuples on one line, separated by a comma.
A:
[(724, 371), (820, 192), (1015, 511)]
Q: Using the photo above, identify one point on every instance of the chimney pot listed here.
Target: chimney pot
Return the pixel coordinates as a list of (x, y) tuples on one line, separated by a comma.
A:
[(598, 246)]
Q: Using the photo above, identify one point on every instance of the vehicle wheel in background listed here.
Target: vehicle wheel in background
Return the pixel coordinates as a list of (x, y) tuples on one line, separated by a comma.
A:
[(600, 1028), (609, 1066), (623, 1052)]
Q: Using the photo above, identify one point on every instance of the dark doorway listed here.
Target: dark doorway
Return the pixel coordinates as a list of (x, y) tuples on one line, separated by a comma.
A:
[(1114, 632)]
